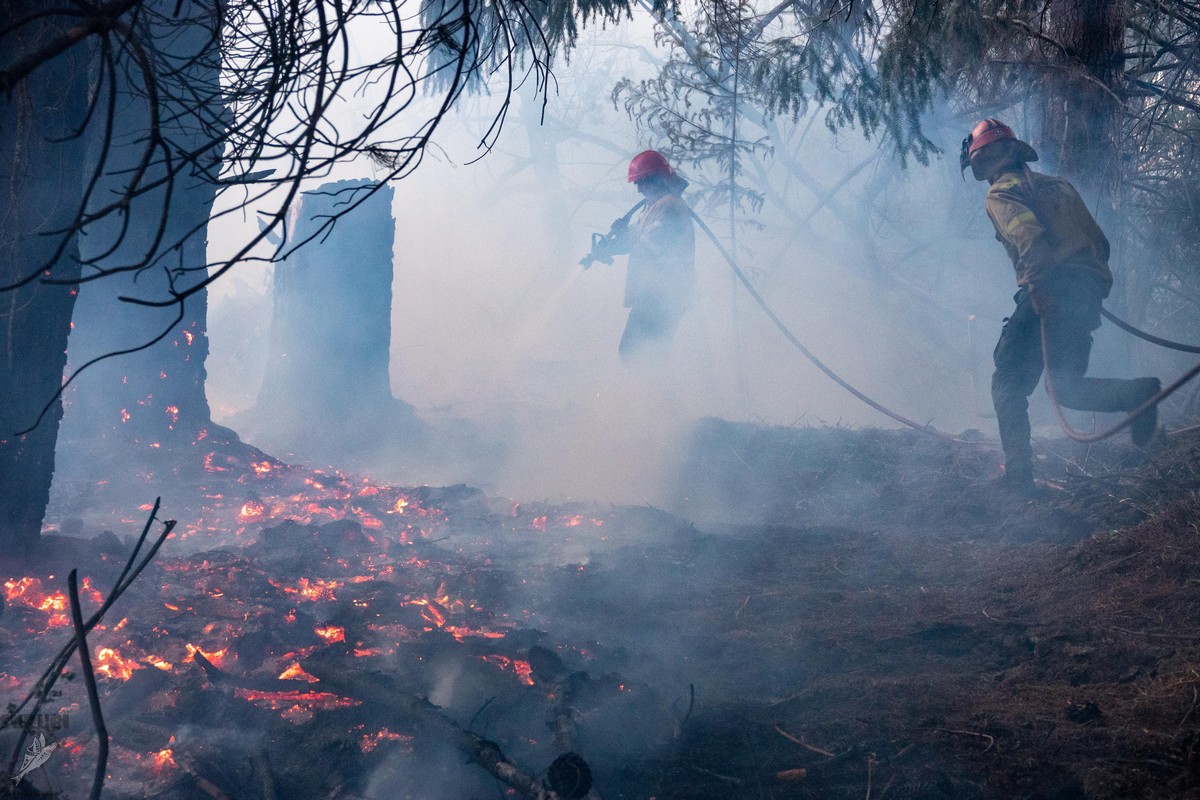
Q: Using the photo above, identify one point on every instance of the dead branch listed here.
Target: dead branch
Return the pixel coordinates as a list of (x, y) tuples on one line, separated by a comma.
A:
[(202, 783), (40, 692), (89, 680), (802, 743)]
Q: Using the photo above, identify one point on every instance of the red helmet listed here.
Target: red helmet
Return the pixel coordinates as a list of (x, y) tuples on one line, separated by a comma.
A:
[(987, 132), (649, 163)]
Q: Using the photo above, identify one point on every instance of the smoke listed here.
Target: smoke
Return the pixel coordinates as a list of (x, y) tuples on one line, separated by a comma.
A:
[(508, 348)]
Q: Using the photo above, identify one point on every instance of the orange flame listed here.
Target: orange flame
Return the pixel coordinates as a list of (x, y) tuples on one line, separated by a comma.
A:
[(158, 663), (164, 758), (112, 664), (331, 633), (312, 590), (251, 510), (216, 657), (28, 592), (296, 672)]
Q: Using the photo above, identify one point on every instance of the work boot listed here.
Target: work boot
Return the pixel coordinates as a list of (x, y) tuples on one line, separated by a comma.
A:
[(1142, 429), (1018, 480)]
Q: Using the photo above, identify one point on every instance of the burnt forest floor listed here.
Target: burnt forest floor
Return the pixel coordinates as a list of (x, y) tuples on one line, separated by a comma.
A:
[(828, 614)]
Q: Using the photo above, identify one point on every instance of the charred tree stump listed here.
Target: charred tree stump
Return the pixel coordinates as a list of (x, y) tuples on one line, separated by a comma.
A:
[(326, 392)]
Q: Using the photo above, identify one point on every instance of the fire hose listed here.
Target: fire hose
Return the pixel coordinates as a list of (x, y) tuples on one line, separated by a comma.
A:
[(929, 429), (791, 337), (1149, 337), (1135, 413)]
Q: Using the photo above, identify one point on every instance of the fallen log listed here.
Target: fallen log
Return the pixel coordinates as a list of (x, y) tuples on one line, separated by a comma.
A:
[(377, 690)]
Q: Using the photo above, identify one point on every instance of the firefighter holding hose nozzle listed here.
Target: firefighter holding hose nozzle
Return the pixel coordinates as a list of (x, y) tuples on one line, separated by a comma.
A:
[(661, 245), (1061, 260)]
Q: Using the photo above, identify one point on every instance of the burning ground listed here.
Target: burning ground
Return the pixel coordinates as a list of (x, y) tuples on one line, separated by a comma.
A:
[(828, 613)]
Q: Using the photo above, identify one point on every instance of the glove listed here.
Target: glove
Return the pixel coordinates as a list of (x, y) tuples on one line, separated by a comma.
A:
[(618, 233)]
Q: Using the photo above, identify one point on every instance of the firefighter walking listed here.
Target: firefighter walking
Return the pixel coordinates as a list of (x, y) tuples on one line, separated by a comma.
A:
[(1060, 255), (661, 245)]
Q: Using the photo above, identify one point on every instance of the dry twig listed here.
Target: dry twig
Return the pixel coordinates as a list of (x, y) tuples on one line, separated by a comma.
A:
[(802, 743)]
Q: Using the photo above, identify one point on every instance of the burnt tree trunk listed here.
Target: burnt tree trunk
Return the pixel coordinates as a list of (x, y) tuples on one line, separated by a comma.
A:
[(326, 392), (1080, 126), (154, 396), (1081, 133), (40, 154)]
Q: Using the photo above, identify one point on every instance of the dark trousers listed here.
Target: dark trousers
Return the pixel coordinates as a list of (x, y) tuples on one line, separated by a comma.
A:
[(649, 322), (1074, 314)]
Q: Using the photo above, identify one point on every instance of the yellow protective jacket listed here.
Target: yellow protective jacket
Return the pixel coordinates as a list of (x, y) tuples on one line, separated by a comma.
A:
[(662, 255), (1046, 228)]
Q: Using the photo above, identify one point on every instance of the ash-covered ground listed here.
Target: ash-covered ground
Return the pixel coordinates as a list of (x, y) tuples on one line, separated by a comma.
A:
[(823, 613)]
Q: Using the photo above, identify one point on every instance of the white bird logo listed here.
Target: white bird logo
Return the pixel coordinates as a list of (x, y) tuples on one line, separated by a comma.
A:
[(36, 754)]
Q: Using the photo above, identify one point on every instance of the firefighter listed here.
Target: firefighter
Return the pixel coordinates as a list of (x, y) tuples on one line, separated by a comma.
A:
[(661, 244), (1061, 260)]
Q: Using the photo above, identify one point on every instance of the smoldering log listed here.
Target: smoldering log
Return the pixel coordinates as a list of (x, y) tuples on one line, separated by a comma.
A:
[(377, 690)]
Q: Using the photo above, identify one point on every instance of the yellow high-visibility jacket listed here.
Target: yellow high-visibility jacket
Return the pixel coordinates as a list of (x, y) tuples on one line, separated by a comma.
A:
[(1046, 228)]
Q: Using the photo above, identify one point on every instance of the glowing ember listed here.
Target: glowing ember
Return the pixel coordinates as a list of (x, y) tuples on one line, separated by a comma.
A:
[(173, 413), (28, 592), (399, 506), (520, 668), (324, 701), (370, 741), (296, 672), (366, 652), (216, 657), (111, 664), (164, 758), (461, 632), (331, 633), (431, 612), (539, 523), (251, 510), (312, 590), (159, 663), (263, 467), (92, 593)]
